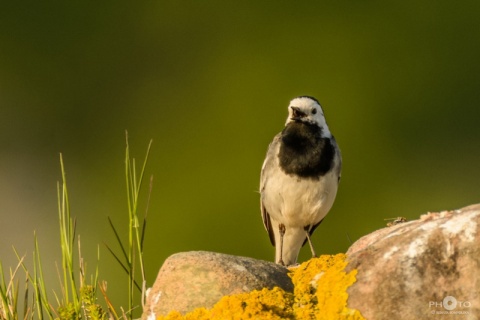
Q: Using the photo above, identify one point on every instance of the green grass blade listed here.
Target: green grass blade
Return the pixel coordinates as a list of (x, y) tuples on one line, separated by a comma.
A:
[(40, 282), (143, 167), (125, 268), (26, 309), (119, 241), (67, 243), (117, 258), (144, 224), (14, 297), (4, 306), (37, 294)]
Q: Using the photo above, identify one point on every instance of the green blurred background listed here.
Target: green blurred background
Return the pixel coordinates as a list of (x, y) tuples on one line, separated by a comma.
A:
[(210, 84)]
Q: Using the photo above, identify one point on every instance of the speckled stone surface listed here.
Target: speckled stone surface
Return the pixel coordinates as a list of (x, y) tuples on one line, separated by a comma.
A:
[(194, 279), (422, 269)]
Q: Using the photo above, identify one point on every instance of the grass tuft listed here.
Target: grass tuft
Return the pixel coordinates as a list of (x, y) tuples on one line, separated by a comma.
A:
[(77, 298), (132, 253)]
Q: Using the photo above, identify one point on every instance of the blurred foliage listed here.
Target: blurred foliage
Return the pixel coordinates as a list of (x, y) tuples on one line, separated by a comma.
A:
[(210, 83)]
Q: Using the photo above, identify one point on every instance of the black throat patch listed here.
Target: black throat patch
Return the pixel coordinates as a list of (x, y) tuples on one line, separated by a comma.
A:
[(303, 151)]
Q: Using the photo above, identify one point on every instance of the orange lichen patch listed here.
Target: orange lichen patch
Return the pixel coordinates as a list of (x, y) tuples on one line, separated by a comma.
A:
[(321, 289), (320, 293), (259, 304), (199, 313), (263, 304)]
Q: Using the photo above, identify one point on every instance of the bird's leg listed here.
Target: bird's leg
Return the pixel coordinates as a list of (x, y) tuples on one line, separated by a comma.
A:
[(306, 228), (281, 229)]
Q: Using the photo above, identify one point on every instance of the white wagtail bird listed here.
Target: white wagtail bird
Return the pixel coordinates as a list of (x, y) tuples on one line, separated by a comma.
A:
[(299, 179)]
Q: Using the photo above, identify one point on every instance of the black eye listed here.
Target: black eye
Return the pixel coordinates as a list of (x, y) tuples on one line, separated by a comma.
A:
[(314, 111)]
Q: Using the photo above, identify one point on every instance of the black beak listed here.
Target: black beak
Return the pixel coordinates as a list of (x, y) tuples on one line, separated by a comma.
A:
[(297, 115)]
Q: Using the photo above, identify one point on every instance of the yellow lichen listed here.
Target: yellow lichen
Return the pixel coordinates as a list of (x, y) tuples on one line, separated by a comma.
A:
[(320, 292), (321, 289), (258, 304)]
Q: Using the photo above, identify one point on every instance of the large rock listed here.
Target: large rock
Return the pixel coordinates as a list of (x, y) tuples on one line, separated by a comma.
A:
[(199, 279), (423, 269)]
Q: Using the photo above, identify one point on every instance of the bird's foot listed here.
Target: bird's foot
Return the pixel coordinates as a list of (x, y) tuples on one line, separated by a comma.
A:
[(293, 266)]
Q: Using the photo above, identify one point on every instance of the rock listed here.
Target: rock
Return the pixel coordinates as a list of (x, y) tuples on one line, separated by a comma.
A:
[(320, 293), (422, 269), (199, 279)]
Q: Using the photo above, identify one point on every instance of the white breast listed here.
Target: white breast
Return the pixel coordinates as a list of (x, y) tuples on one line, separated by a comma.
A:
[(299, 202)]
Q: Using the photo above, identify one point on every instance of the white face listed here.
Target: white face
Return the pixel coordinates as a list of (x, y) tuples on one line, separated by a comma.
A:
[(305, 109)]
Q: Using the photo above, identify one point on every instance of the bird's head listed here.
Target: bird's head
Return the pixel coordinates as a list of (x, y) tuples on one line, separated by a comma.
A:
[(307, 110)]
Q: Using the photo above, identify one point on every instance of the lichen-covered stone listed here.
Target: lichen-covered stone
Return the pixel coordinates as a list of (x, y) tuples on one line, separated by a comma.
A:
[(415, 269), (320, 293), (195, 279), (422, 269), (321, 289)]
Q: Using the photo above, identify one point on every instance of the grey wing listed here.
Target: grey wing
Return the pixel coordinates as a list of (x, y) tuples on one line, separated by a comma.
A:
[(268, 224), (310, 232), (338, 158), (264, 176)]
